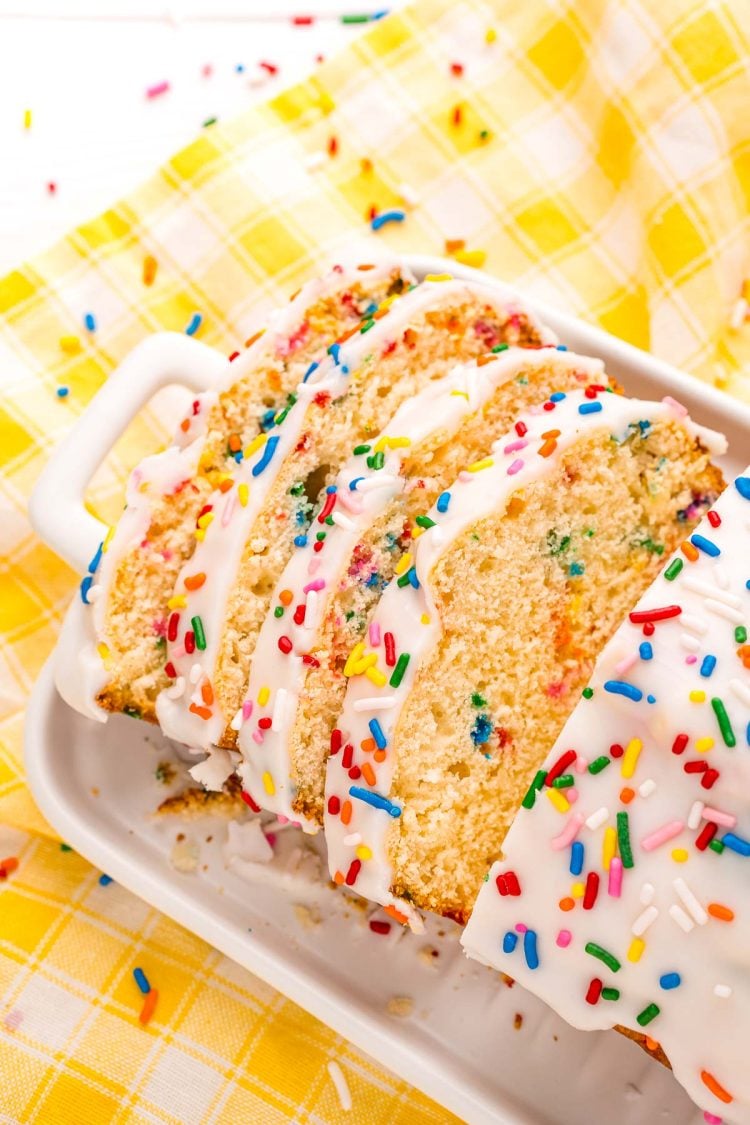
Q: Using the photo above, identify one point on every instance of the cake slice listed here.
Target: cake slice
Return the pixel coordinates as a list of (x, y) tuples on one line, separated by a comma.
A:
[(112, 651), (250, 524), (325, 596), (620, 897), (482, 646)]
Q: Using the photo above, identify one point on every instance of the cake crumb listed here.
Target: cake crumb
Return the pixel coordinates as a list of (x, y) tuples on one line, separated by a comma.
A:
[(341, 1085), (507, 980), (428, 955), (165, 773), (307, 916), (518, 1021), (185, 855), (400, 1006)]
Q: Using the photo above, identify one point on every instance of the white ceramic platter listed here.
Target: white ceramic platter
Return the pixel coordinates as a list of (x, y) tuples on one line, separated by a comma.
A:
[(459, 1041)]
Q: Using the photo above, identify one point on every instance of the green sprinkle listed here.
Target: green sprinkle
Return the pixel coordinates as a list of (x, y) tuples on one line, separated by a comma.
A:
[(478, 700), (536, 785), (403, 579), (716, 846), (133, 712), (587, 692), (355, 18), (564, 781), (297, 488), (623, 839), (740, 634), (65, 848), (424, 521), (599, 764), (279, 611), (200, 636), (329, 521), (358, 449), (366, 326), (210, 121), (398, 672), (673, 570), (320, 536), (377, 460), (610, 994), (724, 724), (608, 958), (649, 1013), (500, 348)]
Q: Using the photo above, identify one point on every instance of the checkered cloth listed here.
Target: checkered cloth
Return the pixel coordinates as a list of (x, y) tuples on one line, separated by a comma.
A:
[(598, 152)]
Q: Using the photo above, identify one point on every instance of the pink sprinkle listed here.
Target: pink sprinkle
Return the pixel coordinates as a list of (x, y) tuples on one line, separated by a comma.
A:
[(467, 478), (515, 446), (161, 88), (318, 584), (207, 70), (313, 566), (564, 939), (692, 659), (661, 835), (625, 664), (271, 837), (718, 817), (374, 634), (570, 831), (258, 736), (515, 467), (614, 886), (571, 794), (228, 509), (520, 928), (282, 820), (676, 406), (581, 764), (711, 1118), (247, 710)]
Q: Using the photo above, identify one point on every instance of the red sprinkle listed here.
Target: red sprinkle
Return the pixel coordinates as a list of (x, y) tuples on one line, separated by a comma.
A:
[(695, 767), (714, 518), (355, 773), (561, 765), (709, 778), (334, 806), (648, 629), (170, 670), (457, 69), (233, 356), (679, 743), (333, 146), (592, 890), (390, 649), (8, 866), (265, 723), (269, 67), (190, 642), (638, 616), (327, 507), (313, 661), (249, 801), (594, 991), (706, 836), (508, 884), (285, 645), (353, 872), (616, 750), (521, 429), (299, 614), (348, 756), (380, 927), (172, 624), (337, 739), (303, 21)]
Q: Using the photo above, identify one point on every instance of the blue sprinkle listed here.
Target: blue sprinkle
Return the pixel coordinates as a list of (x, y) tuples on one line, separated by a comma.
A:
[(333, 352), (670, 980), (377, 733), (621, 687), (300, 541), (529, 949), (651, 699), (708, 665), (239, 456), (313, 367), (705, 545), (742, 484), (576, 857), (589, 408), (375, 799), (105, 880), (510, 941), (576, 569), (86, 585), (371, 308), (413, 577), (330, 489), (239, 68), (747, 734), (736, 843), (268, 451), (645, 650), (266, 421), (481, 730), (562, 347), (387, 217), (94, 564), (142, 981), (643, 426), (353, 483), (557, 396), (443, 501), (195, 322), (63, 392), (89, 321)]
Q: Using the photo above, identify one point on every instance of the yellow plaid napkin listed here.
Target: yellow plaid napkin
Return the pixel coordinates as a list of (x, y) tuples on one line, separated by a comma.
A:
[(598, 153)]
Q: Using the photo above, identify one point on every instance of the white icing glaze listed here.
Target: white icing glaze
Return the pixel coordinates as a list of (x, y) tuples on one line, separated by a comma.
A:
[(362, 495), (702, 1022), (80, 673), (186, 716), (409, 615)]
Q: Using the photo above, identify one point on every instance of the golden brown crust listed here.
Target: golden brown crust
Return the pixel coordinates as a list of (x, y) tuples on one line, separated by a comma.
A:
[(650, 1046), (195, 802)]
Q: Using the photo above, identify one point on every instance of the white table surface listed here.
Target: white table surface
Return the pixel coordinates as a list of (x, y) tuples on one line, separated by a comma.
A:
[(83, 67)]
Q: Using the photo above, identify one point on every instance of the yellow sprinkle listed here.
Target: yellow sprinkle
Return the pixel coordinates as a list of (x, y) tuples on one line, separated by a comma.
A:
[(103, 651), (425, 619), (490, 35), (439, 277), (376, 677), (477, 467), (255, 445), (578, 890), (263, 696), (108, 539), (460, 394), (391, 443), (27, 119), (70, 344), (679, 855), (353, 658), (268, 784), (635, 949), (363, 852), (703, 745), (417, 531), (403, 563), (200, 535), (697, 697), (630, 757), (205, 520), (746, 290), (177, 601), (609, 847), (243, 492), (475, 258), (364, 663), (560, 802)]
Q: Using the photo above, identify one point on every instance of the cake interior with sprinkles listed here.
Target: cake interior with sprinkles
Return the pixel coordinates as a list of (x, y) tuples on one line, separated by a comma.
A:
[(630, 907)]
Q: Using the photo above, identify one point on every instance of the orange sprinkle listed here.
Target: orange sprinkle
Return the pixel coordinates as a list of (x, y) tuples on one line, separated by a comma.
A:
[(689, 551), (723, 913), (515, 506), (226, 485), (201, 712), (149, 1004), (195, 581), (235, 443), (457, 115), (368, 745), (410, 337), (257, 335), (566, 903), (333, 146), (348, 334), (346, 812), (150, 266), (548, 448), (366, 166), (8, 866), (627, 794), (652, 1044), (185, 425), (379, 756), (207, 692), (454, 244), (716, 1089), (368, 773), (484, 359), (366, 266), (744, 654), (391, 910), (285, 597)]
